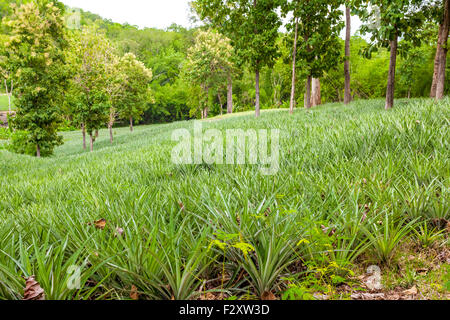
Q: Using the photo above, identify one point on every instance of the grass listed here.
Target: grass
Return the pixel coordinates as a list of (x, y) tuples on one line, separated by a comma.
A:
[(229, 231), (4, 103)]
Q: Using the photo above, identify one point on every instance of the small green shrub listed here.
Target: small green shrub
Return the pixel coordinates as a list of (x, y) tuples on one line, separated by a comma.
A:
[(20, 144)]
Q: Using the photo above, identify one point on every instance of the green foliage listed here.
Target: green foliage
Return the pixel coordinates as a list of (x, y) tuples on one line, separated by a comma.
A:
[(20, 143), (426, 237), (385, 236), (387, 19), (209, 62), (91, 58), (319, 24), (365, 157), (5, 133), (134, 93), (36, 58), (252, 26)]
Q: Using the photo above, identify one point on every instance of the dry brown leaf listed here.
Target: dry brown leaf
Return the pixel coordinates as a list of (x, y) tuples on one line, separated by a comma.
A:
[(33, 290), (100, 224), (181, 205), (411, 292), (267, 295), (209, 296), (134, 294)]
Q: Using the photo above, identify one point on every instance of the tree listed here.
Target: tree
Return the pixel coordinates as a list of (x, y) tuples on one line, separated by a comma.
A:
[(209, 64), (318, 22), (36, 58), (294, 56), (348, 22), (91, 58), (5, 72), (440, 62), (252, 26), (134, 88), (387, 21), (413, 59)]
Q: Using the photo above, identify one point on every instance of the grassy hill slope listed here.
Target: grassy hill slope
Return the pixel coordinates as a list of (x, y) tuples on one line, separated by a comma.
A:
[(357, 172)]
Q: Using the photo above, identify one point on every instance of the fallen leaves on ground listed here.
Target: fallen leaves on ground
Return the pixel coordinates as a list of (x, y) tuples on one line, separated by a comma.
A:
[(134, 294), (100, 224), (267, 296), (33, 290)]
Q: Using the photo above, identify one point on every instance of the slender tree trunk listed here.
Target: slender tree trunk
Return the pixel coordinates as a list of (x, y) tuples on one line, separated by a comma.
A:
[(436, 63), (308, 93), (9, 95), (111, 136), (409, 92), (294, 57), (347, 94), (92, 142), (220, 102), (96, 133), (38, 151), (83, 130), (257, 106), (230, 94), (316, 97), (391, 77), (131, 123), (440, 87)]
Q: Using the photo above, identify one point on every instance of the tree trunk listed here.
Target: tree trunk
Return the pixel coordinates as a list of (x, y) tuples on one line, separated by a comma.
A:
[(308, 93), (220, 102), (96, 133), (131, 124), (9, 96), (38, 151), (347, 94), (409, 92), (391, 77), (443, 52), (316, 97), (257, 106), (436, 64), (294, 56), (111, 136), (83, 130), (230, 94), (92, 142)]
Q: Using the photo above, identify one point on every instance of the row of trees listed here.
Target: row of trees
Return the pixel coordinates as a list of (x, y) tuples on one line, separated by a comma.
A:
[(252, 26), (90, 77), (68, 74)]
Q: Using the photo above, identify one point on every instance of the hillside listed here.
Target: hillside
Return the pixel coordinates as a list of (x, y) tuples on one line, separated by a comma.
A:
[(348, 175)]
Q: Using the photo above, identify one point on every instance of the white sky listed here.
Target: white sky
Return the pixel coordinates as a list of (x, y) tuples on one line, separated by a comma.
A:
[(142, 13), (148, 13)]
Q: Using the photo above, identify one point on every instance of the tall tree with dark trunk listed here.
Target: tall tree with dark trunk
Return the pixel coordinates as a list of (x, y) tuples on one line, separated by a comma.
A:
[(387, 21), (390, 91), (443, 50), (318, 23), (348, 22), (252, 26), (294, 67), (439, 11)]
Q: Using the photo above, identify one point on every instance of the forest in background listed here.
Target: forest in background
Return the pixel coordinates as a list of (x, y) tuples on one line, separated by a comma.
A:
[(176, 98)]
